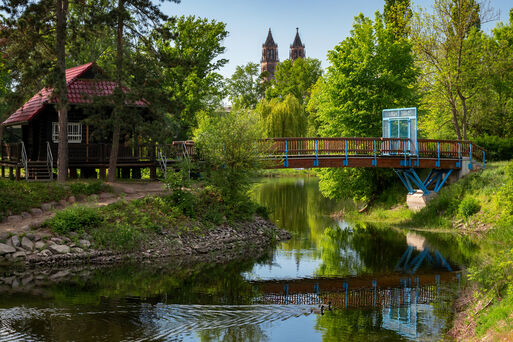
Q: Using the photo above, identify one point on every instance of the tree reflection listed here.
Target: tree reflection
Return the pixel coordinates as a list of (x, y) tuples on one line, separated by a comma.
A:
[(249, 333), (354, 325)]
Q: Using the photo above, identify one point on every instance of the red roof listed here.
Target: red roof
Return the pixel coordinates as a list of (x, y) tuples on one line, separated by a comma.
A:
[(79, 91)]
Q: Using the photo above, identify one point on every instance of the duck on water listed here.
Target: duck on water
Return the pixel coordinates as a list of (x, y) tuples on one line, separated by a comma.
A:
[(321, 309)]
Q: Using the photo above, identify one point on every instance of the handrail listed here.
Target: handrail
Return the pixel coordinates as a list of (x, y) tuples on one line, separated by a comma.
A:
[(24, 159), (186, 156), (49, 159), (163, 162)]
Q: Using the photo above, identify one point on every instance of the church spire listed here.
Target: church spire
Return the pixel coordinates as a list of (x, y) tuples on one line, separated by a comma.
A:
[(269, 56), (297, 49), (269, 42)]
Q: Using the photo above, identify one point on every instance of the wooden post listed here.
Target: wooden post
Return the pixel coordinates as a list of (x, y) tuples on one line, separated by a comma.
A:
[(153, 173), (18, 173), (73, 173), (3, 171), (11, 173), (103, 173), (87, 142)]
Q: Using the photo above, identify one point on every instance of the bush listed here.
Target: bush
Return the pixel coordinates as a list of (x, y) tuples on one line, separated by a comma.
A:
[(468, 207), (497, 148), (226, 144), (17, 196), (75, 219), (80, 188), (118, 236), (184, 200)]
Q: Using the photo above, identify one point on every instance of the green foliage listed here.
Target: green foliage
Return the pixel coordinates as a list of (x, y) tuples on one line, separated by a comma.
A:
[(285, 118), (370, 70), (74, 219), (22, 196), (246, 86), (190, 48), (117, 236), (506, 191), (88, 188), (468, 207), (454, 59), (497, 148), (397, 15), (228, 145), (295, 78)]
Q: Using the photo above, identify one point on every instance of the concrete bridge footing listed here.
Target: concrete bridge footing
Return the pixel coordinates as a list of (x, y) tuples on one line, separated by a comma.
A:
[(418, 200)]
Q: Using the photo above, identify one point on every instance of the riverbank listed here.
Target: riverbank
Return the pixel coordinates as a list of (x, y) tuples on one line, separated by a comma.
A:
[(180, 224), (479, 206)]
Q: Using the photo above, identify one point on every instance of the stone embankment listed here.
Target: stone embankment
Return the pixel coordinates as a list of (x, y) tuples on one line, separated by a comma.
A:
[(44, 248)]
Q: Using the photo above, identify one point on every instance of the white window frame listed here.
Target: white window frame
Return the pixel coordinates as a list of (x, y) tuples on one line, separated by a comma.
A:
[(74, 132)]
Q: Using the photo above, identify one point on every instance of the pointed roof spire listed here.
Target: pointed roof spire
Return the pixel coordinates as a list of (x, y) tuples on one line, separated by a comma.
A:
[(270, 41), (297, 40)]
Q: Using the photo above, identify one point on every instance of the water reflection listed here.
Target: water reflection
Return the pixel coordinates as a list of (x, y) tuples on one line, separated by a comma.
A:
[(215, 302)]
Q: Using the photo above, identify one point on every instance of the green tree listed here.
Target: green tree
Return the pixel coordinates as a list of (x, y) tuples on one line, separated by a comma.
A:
[(285, 118), (370, 70), (42, 24), (397, 15), (496, 97), (246, 86), (295, 78), (189, 50), (450, 49), (227, 142)]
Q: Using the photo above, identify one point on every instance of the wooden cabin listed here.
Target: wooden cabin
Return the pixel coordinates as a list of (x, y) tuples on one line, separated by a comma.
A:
[(33, 132)]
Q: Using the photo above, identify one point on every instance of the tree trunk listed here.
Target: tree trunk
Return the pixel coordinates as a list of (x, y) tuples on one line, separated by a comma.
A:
[(119, 99), (464, 115), (455, 122), (113, 160), (61, 90)]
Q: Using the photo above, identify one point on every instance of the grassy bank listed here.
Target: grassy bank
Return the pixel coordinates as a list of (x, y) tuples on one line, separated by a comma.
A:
[(20, 196), (480, 206), (131, 225)]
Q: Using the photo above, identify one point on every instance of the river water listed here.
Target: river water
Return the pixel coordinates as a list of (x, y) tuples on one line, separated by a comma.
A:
[(400, 286)]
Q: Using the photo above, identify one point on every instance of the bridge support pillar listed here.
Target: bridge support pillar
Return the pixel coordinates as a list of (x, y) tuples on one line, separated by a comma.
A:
[(418, 200)]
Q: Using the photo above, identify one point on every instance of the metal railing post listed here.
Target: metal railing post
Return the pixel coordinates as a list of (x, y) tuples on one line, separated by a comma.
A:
[(438, 151), (286, 162), (470, 164), (375, 161), (345, 161)]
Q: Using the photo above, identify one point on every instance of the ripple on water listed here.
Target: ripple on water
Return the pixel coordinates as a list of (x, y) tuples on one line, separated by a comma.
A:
[(154, 322)]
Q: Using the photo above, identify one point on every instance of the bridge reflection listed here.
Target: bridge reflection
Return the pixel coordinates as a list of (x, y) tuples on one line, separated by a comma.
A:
[(398, 300)]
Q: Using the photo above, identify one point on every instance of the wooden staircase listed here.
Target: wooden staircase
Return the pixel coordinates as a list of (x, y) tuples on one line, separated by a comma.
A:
[(38, 171)]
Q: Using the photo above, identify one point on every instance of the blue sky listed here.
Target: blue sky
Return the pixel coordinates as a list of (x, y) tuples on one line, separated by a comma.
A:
[(322, 23)]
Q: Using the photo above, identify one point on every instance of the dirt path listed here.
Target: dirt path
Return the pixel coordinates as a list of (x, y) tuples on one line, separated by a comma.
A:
[(122, 191)]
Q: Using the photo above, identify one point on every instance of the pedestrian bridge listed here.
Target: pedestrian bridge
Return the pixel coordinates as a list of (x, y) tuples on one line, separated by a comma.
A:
[(403, 155)]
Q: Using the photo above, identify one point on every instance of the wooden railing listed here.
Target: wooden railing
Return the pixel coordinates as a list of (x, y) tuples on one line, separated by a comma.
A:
[(271, 148), (425, 148), (334, 146), (90, 153), (429, 148)]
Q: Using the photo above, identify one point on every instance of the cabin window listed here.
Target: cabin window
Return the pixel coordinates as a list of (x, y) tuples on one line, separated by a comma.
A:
[(74, 132)]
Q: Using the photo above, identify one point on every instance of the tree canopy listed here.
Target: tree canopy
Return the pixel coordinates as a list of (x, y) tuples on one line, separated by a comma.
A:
[(370, 70)]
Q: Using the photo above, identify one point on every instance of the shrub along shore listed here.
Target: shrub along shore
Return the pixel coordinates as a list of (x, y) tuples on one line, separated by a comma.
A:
[(479, 206), (183, 223)]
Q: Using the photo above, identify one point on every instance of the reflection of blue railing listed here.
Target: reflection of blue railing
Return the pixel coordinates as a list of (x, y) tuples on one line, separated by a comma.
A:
[(408, 265)]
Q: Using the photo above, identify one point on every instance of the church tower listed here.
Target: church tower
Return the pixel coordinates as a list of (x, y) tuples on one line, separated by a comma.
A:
[(297, 49), (269, 56)]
